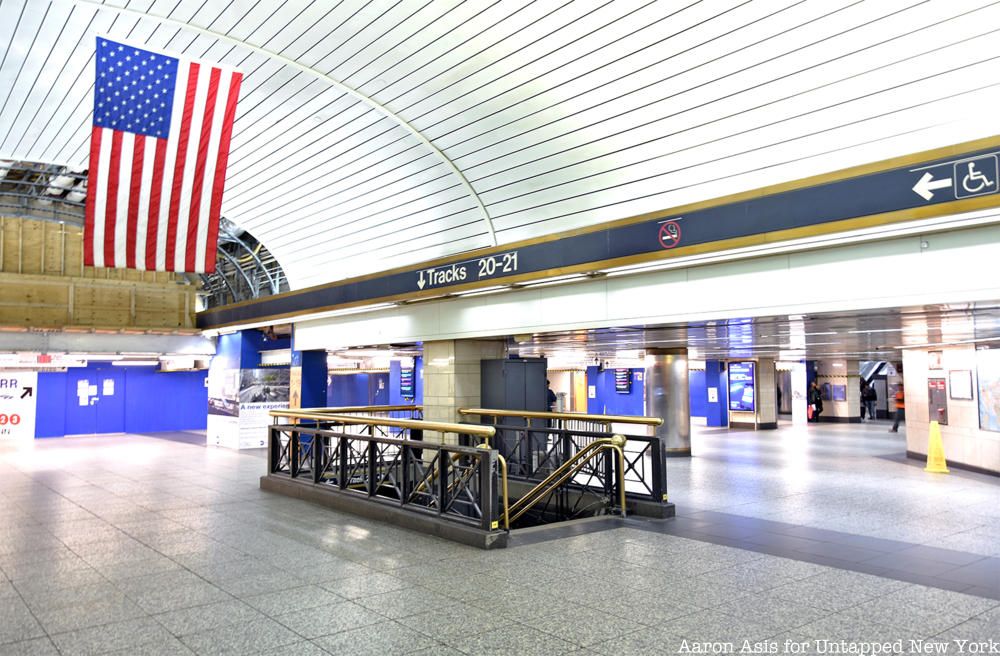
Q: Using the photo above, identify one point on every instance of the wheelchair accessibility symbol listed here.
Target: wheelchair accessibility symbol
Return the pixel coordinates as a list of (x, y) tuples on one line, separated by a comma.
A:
[(976, 177)]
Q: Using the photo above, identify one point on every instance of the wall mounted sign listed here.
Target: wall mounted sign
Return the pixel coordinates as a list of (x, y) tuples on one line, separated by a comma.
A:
[(931, 183), (960, 384), (406, 384), (17, 405), (623, 381), (741, 387)]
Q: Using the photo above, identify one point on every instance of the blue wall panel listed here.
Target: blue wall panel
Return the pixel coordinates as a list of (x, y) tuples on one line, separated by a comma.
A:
[(717, 413), (254, 342), (164, 401), (313, 363), (418, 380), (698, 393), (50, 407), (143, 401), (378, 391), (610, 402), (351, 389)]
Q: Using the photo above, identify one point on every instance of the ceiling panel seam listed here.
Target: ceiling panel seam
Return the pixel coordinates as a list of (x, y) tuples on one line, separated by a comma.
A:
[(660, 118), (323, 76), (633, 180)]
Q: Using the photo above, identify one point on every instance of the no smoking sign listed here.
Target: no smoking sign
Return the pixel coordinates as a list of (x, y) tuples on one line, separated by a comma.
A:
[(670, 234)]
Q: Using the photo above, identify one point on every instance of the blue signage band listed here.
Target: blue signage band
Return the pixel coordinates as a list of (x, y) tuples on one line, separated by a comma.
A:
[(950, 180)]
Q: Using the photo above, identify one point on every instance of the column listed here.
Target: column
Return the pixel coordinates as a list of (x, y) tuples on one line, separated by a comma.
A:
[(767, 395), (307, 380), (800, 392), (452, 377), (715, 389), (667, 397)]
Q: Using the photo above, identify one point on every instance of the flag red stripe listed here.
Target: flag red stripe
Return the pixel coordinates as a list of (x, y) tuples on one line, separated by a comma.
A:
[(92, 182), (155, 196), (199, 178), (111, 215), (133, 200), (219, 182), (178, 177)]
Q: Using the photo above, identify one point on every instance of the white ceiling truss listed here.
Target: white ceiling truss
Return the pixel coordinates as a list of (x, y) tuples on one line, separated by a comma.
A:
[(372, 134)]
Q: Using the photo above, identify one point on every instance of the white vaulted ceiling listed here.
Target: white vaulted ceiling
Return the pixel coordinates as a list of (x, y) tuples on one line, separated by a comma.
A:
[(373, 134)]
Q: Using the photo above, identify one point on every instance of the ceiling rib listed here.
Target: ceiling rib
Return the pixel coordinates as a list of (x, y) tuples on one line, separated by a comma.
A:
[(485, 215)]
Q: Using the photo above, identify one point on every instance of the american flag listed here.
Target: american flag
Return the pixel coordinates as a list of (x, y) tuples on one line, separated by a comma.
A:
[(158, 154)]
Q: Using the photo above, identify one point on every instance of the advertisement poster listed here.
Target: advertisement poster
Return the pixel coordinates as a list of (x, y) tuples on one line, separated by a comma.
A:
[(224, 431), (17, 405), (261, 390), (741, 383), (988, 365), (223, 392)]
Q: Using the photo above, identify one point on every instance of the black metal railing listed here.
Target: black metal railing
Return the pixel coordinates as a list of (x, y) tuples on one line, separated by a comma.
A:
[(535, 444), (380, 460)]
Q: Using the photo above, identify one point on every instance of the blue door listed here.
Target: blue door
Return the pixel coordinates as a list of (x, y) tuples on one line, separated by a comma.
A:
[(81, 413), (95, 401), (111, 401)]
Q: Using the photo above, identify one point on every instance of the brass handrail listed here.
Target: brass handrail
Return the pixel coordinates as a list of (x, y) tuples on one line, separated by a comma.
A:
[(486, 432), (530, 414), (503, 486), (566, 470), (362, 408), (582, 454)]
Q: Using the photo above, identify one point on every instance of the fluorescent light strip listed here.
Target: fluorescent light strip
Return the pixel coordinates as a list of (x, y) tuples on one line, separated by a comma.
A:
[(483, 291)]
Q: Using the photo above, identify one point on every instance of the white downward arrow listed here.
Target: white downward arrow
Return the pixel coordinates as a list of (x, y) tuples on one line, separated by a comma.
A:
[(420, 281), (926, 184)]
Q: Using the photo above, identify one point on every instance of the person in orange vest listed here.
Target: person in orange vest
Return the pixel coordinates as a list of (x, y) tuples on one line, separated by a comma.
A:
[(900, 409)]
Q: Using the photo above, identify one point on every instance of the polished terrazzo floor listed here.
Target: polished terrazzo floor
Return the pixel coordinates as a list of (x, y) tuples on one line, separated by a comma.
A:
[(137, 545)]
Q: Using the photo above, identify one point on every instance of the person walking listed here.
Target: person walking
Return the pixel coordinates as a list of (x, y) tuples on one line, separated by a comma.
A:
[(868, 399), (861, 396), (815, 400), (900, 409)]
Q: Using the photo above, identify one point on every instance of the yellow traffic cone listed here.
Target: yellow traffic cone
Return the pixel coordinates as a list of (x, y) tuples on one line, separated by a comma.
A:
[(936, 463)]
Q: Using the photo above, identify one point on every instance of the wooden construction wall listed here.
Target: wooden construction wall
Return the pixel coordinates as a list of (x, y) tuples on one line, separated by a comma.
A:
[(43, 284)]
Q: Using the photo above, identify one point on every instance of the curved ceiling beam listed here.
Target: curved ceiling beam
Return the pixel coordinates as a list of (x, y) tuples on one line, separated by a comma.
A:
[(382, 109)]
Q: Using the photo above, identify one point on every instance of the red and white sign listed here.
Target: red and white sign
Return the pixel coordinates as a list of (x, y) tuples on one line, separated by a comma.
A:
[(670, 234), (18, 392)]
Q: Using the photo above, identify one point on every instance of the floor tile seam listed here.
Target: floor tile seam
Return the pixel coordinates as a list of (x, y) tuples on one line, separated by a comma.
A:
[(857, 536), (785, 554), (37, 621)]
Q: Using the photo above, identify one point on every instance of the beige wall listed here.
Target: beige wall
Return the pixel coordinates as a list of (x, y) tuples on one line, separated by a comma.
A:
[(452, 377), (767, 395), (840, 372), (963, 440)]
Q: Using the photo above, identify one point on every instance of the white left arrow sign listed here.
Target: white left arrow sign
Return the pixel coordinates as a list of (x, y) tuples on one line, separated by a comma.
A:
[(927, 184)]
